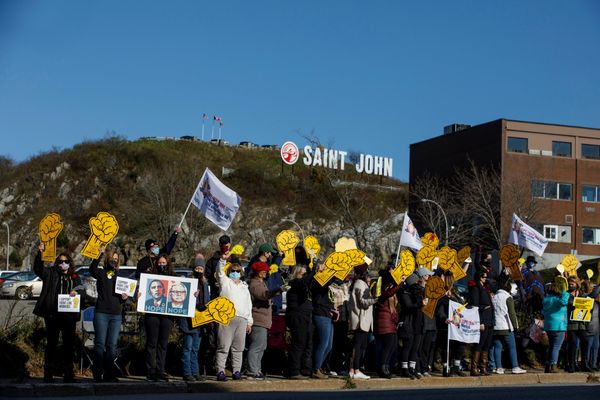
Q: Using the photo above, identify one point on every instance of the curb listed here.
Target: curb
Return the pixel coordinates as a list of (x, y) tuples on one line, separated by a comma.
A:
[(281, 384)]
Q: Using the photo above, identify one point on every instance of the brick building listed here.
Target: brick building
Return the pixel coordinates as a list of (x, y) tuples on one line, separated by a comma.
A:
[(559, 165)]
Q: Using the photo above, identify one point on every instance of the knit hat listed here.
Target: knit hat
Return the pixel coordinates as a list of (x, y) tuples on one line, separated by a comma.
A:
[(149, 243), (266, 247), (260, 266)]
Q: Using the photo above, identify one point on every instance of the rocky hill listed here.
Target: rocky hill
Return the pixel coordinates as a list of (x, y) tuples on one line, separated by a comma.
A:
[(147, 185)]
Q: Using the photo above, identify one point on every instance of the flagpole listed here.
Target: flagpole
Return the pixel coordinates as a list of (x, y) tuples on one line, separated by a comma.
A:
[(448, 344), (202, 129), (192, 199), (219, 132), (400, 240)]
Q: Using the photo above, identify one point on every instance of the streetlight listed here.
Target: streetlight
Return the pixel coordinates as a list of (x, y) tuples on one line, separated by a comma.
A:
[(443, 213), (7, 242)]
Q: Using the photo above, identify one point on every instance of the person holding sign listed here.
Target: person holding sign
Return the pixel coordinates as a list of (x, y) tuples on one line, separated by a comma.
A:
[(158, 327), (577, 326), (153, 248), (59, 279), (107, 317), (480, 296), (554, 309)]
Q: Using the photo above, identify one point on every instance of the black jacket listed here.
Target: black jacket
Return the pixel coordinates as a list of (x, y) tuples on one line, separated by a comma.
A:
[(145, 263), (480, 297), (298, 297), (321, 301), (411, 316), (55, 283), (108, 301)]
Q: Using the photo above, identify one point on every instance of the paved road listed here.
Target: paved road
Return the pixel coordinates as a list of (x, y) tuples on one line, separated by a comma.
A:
[(538, 392)]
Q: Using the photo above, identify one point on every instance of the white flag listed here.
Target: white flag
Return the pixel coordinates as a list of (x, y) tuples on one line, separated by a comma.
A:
[(216, 201), (409, 236), (525, 236), (464, 323)]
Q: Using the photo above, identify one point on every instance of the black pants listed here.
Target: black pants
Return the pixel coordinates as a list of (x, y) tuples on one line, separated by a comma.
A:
[(388, 343), (457, 349), (411, 347), (158, 328), (341, 350), (64, 324), (572, 337), (485, 339), (360, 345), (427, 350), (300, 352)]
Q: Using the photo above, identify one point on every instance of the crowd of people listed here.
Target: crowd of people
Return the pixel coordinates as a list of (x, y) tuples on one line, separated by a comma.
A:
[(347, 327)]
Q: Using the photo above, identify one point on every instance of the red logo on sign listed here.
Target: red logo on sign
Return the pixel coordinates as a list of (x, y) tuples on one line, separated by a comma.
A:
[(289, 153)]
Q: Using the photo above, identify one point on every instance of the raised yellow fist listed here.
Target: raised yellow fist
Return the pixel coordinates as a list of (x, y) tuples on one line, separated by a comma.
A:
[(49, 229), (311, 244), (220, 310), (405, 267), (286, 243), (104, 227)]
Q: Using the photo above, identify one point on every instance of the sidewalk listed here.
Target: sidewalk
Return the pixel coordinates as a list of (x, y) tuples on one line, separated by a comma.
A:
[(137, 385)]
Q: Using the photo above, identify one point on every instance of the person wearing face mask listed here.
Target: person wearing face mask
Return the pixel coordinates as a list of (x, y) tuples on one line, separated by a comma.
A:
[(555, 322), (233, 336), (191, 336), (153, 249), (57, 279), (107, 317), (158, 326), (505, 323), (273, 258), (213, 263), (481, 297)]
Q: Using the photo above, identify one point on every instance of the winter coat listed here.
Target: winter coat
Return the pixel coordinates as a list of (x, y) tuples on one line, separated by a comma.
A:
[(480, 297), (145, 263), (108, 301), (185, 324), (555, 312), (578, 325), (361, 307), (505, 318), (299, 299), (386, 316), (237, 293), (411, 315), (593, 327), (54, 283), (261, 302)]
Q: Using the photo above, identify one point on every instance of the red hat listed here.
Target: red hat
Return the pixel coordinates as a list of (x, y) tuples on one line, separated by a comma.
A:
[(260, 266)]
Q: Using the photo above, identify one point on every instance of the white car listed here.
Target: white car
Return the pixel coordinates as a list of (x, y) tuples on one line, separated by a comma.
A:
[(22, 285)]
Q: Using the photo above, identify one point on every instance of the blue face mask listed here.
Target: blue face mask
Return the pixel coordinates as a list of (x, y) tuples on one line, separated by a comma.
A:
[(155, 250), (235, 275)]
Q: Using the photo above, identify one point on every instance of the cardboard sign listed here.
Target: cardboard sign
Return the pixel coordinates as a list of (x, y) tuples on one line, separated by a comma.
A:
[(103, 229), (66, 303), (220, 310), (404, 268), (570, 262), (336, 262), (312, 247), (582, 309), (286, 242), (167, 295), (430, 239), (125, 285), (238, 250), (509, 257), (49, 229), (426, 255), (434, 291)]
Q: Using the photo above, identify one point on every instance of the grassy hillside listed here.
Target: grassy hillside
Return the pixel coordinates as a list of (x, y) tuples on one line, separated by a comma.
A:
[(147, 185)]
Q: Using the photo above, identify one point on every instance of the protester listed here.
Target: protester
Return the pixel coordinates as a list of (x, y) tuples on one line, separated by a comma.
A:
[(386, 320), (233, 336), (323, 315), (262, 317), (275, 279), (361, 317), (555, 323), (191, 337), (57, 279), (480, 297), (505, 323), (576, 337), (411, 327), (146, 263), (298, 317), (592, 331), (107, 317), (212, 264), (337, 362)]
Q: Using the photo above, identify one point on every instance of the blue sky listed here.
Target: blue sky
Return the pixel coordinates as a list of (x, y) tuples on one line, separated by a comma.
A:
[(370, 76)]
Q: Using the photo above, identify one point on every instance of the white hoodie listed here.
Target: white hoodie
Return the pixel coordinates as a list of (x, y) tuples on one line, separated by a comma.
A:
[(237, 293)]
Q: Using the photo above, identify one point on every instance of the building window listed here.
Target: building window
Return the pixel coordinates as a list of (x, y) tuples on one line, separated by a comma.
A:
[(517, 145), (591, 236), (550, 232), (590, 151), (590, 194), (551, 190), (561, 149)]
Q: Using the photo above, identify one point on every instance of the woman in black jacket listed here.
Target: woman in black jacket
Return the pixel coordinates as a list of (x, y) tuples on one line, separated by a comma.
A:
[(59, 278), (480, 296), (107, 317), (410, 328)]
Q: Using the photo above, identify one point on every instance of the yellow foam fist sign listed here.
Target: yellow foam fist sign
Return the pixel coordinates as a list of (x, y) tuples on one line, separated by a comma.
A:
[(238, 250), (430, 239), (355, 258), (336, 262), (509, 256), (425, 256), (104, 227), (49, 229), (312, 247), (286, 243), (463, 254), (434, 291), (220, 310), (570, 262), (448, 260), (404, 268)]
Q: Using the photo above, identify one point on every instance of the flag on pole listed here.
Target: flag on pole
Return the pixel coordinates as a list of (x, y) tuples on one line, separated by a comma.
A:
[(464, 323), (204, 116), (216, 202), (523, 235), (409, 236), (216, 118)]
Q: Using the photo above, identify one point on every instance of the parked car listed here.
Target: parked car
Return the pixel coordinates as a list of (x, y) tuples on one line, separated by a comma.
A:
[(22, 285), (6, 274)]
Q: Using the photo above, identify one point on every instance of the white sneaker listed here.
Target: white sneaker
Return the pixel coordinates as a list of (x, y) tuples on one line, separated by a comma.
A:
[(333, 373), (518, 370), (360, 375), (499, 371)]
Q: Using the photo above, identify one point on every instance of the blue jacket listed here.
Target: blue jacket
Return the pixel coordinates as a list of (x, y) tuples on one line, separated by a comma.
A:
[(555, 312)]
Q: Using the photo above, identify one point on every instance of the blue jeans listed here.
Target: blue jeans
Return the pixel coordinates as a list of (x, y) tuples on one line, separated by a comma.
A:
[(555, 341), (509, 341), (592, 350), (106, 335), (189, 357), (492, 364), (324, 330)]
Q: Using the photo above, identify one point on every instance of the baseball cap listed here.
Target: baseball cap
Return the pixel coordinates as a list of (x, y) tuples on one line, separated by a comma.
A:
[(266, 247)]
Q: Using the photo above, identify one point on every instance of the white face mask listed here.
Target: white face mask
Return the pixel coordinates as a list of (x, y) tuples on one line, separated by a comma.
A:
[(63, 266), (513, 289)]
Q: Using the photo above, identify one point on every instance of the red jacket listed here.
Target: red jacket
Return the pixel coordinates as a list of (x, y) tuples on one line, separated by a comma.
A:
[(386, 318)]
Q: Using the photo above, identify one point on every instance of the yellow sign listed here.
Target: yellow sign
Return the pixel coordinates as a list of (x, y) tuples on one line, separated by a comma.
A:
[(238, 250), (49, 229), (104, 227), (220, 310), (430, 239), (434, 290), (286, 243), (509, 256), (582, 309), (312, 247), (570, 263), (336, 262), (404, 268), (425, 256), (355, 258)]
